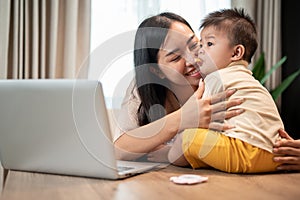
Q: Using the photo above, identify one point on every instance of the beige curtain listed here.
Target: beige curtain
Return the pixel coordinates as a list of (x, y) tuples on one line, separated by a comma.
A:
[(268, 18), (267, 15), (44, 38)]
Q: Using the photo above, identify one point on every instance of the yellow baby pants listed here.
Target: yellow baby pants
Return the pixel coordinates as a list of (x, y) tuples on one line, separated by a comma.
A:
[(205, 148)]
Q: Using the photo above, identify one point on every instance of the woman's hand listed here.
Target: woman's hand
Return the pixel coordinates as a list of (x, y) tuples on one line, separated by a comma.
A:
[(289, 152), (209, 112)]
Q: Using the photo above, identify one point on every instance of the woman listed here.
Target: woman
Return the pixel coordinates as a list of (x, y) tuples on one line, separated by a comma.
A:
[(166, 79)]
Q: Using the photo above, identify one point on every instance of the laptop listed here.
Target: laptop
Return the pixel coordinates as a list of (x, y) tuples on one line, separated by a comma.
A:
[(59, 126)]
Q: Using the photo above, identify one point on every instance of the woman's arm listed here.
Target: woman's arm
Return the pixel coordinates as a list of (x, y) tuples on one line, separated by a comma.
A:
[(289, 150), (135, 143), (196, 112)]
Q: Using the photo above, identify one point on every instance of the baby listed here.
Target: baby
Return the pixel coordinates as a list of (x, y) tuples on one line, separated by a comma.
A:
[(228, 42)]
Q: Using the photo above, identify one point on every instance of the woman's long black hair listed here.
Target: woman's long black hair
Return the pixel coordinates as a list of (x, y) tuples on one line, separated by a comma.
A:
[(152, 90)]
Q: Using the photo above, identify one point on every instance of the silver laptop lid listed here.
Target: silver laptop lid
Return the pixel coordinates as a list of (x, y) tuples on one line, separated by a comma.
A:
[(56, 126)]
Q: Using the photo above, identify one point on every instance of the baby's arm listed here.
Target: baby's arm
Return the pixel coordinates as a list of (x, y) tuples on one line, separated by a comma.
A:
[(175, 155)]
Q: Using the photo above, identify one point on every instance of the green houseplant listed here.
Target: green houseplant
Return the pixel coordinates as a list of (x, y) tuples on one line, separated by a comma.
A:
[(261, 75)]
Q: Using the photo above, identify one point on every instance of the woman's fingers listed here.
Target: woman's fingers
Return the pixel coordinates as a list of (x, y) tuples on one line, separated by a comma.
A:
[(220, 112), (222, 96), (221, 106), (211, 111), (288, 160), (220, 116), (234, 112), (289, 167), (218, 126), (288, 143), (288, 150), (234, 102), (284, 134), (200, 89)]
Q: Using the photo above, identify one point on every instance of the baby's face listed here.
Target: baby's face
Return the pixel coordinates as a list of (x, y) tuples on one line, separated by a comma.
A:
[(216, 51)]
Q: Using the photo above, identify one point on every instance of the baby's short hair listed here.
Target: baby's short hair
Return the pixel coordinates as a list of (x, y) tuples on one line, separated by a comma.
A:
[(238, 25)]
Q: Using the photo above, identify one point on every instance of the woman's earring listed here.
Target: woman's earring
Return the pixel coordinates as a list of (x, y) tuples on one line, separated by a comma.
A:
[(157, 72), (161, 75)]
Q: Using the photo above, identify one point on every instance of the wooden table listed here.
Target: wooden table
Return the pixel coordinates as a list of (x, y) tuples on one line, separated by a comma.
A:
[(153, 185)]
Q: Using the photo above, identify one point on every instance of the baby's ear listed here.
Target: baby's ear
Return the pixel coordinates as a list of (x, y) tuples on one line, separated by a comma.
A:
[(238, 53)]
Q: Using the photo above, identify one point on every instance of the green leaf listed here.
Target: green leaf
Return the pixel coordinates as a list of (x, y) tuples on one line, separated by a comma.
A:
[(278, 64), (279, 89), (259, 67)]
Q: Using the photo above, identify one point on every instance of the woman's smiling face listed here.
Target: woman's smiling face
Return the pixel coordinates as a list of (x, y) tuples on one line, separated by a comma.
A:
[(177, 56)]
